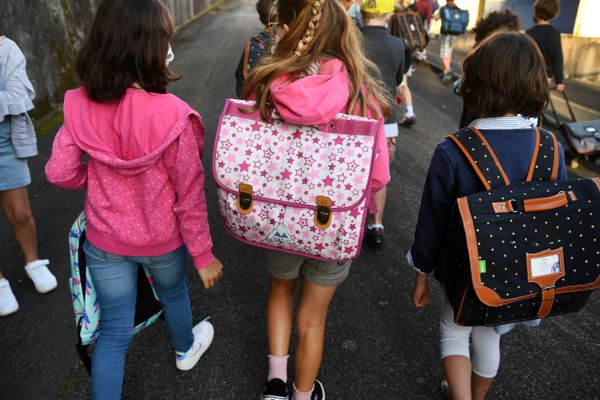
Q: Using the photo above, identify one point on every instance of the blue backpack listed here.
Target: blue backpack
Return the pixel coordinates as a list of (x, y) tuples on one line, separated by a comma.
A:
[(454, 20), (86, 309)]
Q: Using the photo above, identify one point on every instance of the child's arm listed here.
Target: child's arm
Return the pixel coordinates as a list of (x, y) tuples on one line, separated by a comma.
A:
[(183, 160), (17, 91), (557, 63), (65, 168)]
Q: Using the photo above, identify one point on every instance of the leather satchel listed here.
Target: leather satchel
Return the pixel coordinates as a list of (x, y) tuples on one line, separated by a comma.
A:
[(525, 250)]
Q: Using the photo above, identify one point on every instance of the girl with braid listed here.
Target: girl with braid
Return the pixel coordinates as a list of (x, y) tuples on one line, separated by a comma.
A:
[(317, 70)]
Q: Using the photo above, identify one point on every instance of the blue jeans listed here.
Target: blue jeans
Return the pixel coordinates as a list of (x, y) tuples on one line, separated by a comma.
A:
[(115, 280)]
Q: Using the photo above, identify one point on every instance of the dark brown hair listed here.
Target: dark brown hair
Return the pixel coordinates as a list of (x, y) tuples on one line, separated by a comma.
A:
[(546, 9), (263, 8), (318, 30), (505, 74), (496, 20), (128, 44)]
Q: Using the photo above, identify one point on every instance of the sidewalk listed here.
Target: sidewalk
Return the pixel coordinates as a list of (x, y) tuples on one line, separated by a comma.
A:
[(583, 96)]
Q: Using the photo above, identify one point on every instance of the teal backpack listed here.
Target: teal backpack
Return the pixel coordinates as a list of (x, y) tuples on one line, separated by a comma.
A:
[(85, 304)]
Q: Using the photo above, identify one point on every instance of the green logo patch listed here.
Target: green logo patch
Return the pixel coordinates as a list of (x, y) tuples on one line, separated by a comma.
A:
[(482, 267)]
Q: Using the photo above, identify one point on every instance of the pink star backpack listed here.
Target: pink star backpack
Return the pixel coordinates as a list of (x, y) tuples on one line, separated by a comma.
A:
[(298, 189)]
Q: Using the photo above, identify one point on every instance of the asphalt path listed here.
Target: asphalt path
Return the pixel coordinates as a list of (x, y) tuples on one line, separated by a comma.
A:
[(378, 346)]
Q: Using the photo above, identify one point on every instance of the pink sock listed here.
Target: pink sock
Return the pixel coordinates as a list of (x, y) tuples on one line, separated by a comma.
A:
[(298, 395), (278, 367)]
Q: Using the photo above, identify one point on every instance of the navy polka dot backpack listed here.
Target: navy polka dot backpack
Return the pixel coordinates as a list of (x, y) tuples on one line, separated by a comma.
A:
[(525, 250)]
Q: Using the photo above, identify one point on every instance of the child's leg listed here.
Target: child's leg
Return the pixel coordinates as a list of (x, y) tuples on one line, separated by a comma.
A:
[(168, 273), (18, 211), (380, 197), (284, 269), (115, 280), (279, 325), (486, 360), (454, 348), (312, 313)]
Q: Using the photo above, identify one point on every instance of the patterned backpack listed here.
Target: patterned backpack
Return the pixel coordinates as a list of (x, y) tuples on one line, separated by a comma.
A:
[(298, 189), (85, 304), (525, 250)]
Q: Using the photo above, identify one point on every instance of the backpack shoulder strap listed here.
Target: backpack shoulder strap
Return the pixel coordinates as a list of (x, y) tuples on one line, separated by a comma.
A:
[(544, 161), (480, 155), (246, 59)]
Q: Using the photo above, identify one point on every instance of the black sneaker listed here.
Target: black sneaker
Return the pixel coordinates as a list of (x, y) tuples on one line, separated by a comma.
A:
[(408, 121), (318, 392), (374, 235), (275, 389)]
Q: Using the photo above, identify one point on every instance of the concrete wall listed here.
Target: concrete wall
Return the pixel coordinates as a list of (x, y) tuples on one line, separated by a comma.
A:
[(49, 32)]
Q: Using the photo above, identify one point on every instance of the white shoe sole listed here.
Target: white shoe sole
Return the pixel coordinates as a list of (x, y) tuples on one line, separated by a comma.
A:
[(10, 311), (205, 339)]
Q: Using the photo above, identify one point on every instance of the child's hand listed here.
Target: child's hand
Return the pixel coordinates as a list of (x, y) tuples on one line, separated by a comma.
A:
[(421, 290), (560, 87), (211, 274)]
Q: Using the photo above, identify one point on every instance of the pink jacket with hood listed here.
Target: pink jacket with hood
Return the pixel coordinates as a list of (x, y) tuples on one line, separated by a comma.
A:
[(144, 176), (316, 99)]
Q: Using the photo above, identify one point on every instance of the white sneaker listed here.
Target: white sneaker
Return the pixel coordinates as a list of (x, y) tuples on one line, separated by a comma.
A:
[(8, 301), (41, 276), (203, 337)]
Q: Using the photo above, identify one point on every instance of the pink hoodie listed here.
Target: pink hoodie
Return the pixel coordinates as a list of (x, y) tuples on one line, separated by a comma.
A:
[(144, 176), (316, 99)]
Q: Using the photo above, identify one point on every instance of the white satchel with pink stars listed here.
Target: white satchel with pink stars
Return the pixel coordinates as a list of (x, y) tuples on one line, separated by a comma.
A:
[(292, 188)]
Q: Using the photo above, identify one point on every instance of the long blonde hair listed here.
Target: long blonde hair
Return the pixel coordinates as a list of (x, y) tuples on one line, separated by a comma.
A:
[(318, 30)]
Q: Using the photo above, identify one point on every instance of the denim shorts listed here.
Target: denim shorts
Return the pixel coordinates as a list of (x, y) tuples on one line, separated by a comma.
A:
[(289, 266), (14, 172)]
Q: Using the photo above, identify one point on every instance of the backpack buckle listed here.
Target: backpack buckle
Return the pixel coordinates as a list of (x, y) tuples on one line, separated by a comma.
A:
[(245, 203), (323, 215)]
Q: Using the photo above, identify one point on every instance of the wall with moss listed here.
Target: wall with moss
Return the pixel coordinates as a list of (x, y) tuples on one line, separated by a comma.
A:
[(49, 32)]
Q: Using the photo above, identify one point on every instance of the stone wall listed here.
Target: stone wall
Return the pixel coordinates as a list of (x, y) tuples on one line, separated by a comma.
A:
[(49, 32)]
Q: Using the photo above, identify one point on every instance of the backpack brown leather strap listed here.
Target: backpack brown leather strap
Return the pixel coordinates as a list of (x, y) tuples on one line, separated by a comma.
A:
[(482, 158), (544, 161)]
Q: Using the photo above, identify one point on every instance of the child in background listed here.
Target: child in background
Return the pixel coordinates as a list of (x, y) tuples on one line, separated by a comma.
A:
[(387, 53), (256, 48), (446, 46), (548, 39), (144, 180), (17, 144), (317, 70), (504, 81)]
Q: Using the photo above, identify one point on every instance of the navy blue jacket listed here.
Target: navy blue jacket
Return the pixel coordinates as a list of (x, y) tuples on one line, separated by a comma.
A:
[(450, 176)]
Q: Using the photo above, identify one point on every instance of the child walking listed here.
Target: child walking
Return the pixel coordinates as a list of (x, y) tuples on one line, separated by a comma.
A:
[(144, 182), (17, 144), (504, 82), (548, 39), (387, 52), (318, 69)]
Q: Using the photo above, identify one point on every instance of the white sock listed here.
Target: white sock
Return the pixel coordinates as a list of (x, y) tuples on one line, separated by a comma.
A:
[(410, 112)]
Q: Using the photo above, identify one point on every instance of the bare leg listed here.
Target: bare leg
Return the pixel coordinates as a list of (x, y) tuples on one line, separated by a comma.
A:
[(380, 197), (404, 92), (446, 63), (279, 315), (312, 313), (18, 211), (480, 386), (458, 373)]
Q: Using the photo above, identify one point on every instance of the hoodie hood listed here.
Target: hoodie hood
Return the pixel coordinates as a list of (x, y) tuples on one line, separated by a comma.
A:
[(314, 99), (129, 134)]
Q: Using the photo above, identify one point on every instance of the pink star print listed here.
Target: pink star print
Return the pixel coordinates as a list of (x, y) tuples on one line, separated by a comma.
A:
[(256, 126), (244, 166), (338, 141), (328, 181), (297, 134), (286, 174)]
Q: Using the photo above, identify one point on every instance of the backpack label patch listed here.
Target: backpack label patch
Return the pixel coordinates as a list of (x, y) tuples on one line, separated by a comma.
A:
[(280, 233)]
